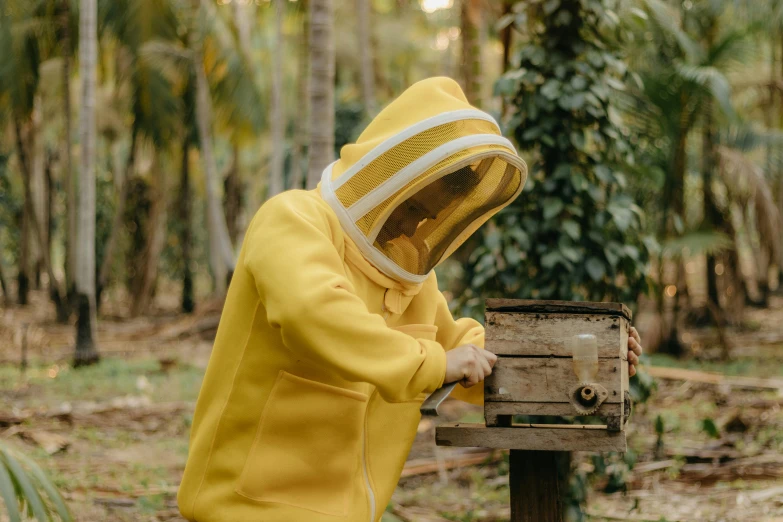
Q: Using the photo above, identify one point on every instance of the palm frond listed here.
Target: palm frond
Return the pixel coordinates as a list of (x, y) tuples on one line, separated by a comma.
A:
[(173, 61), (667, 20), (21, 485), (747, 138), (742, 175), (695, 243), (712, 80)]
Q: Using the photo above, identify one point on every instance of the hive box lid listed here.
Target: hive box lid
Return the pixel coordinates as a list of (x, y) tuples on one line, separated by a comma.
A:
[(558, 307)]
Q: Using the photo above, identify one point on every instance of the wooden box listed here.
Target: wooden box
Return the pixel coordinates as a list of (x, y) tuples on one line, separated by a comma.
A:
[(534, 373)]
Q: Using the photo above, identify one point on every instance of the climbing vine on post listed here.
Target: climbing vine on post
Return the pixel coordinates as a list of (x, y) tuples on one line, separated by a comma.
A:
[(573, 233)]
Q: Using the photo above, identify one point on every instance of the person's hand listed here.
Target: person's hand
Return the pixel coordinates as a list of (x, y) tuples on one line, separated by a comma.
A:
[(469, 365), (634, 351)]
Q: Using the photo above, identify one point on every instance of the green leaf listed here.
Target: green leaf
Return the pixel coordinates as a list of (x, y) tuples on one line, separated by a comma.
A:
[(659, 428), (595, 268), (710, 428), (551, 89), (552, 207), (31, 495), (550, 259), (550, 6), (8, 494), (571, 254), (603, 173), (573, 229), (51, 491), (611, 257), (562, 171)]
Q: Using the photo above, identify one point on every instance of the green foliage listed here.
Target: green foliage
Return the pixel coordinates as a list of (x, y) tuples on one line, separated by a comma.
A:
[(709, 427), (26, 491), (574, 233), (10, 213)]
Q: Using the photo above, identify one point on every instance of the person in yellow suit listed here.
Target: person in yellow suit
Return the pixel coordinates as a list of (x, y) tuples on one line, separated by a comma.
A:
[(334, 331)]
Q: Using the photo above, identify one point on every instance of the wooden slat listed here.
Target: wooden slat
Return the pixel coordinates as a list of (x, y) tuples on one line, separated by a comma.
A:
[(562, 307), (528, 438), (546, 379), (547, 334), (545, 408)]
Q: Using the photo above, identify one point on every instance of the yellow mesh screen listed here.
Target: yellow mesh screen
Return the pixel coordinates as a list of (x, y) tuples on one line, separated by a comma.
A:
[(390, 162), (446, 208), (368, 221)]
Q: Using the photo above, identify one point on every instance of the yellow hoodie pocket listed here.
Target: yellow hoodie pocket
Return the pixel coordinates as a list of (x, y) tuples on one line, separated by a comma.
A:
[(307, 446)]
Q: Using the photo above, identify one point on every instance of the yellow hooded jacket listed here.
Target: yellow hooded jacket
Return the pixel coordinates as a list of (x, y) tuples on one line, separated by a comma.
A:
[(329, 340)]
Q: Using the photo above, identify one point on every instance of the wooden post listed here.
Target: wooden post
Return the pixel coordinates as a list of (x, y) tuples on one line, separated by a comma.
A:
[(536, 493)]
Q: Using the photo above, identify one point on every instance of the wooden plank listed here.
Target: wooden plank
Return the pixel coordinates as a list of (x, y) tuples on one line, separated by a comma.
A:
[(493, 409), (563, 307), (528, 438), (536, 489), (547, 334), (547, 379)]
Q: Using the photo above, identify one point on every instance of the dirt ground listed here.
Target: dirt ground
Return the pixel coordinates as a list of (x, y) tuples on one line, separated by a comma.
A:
[(114, 436)]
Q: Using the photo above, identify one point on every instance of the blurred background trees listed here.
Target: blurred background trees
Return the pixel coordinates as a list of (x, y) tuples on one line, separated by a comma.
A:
[(651, 128)]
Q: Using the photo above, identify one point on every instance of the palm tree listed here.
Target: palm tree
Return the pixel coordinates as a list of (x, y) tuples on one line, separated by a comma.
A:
[(23, 52), (684, 85), (277, 113), (366, 62), (302, 119), (321, 85), (86, 325), (471, 50)]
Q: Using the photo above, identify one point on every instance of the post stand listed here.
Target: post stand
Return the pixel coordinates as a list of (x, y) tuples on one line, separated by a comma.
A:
[(535, 486)]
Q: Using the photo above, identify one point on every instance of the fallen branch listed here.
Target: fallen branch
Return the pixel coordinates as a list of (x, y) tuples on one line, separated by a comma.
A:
[(680, 374), (431, 465)]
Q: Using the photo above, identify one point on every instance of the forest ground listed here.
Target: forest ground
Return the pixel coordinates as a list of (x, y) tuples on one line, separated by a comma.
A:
[(114, 435)]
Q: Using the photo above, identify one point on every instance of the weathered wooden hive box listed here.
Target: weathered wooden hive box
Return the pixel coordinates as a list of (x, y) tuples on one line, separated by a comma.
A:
[(534, 373)]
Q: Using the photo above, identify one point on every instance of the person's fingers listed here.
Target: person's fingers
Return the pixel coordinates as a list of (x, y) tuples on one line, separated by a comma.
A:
[(633, 358), (635, 347), (490, 357), (631, 371), (485, 367), (635, 335)]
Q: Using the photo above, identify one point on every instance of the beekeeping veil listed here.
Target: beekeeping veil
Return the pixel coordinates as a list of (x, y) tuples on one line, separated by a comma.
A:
[(428, 157)]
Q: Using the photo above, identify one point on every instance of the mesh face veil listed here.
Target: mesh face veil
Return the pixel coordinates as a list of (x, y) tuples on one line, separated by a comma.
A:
[(425, 174)]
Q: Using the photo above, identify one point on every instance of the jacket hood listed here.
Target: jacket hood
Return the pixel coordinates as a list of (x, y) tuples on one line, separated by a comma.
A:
[(428, 151)]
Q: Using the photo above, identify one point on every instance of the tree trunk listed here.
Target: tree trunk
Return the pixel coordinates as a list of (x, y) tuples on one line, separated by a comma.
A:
[(321, 87), (298, 154), (232, 196), (36, 227), (4, 286), (23, 273), (711, 214), (277, 113), (471, 50), (119, 216), (244, 15), (48, 209), (154, 245), (675, 202), (366, 63), (505, 39), (38, 186), (221, 253), (86, 325), (184, 206), (68, 177)]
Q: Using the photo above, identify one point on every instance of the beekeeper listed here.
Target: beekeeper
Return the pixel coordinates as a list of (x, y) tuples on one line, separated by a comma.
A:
[(334, 331)]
